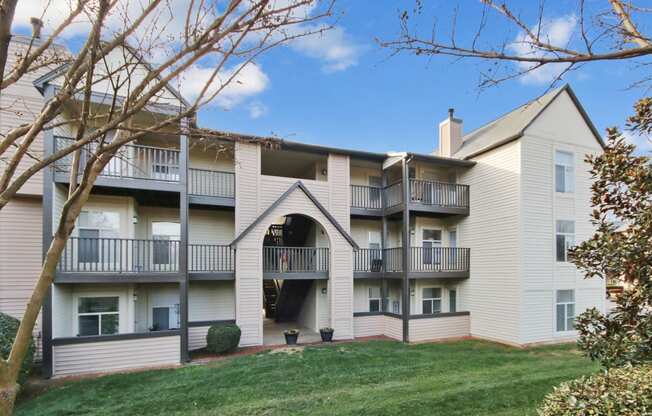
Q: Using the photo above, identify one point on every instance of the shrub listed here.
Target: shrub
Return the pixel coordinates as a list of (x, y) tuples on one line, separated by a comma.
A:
[(619, 391), (223, 338), (8, 329)]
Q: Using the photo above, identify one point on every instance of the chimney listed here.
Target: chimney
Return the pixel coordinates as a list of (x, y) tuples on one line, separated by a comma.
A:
[(450, 135), (37, 24)]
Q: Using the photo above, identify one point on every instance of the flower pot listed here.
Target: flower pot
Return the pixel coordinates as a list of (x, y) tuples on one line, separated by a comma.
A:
[(291, 337), (326, 335)]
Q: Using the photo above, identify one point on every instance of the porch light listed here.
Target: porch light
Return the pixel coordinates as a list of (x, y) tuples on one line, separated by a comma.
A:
[(323, 290), (134, 219)]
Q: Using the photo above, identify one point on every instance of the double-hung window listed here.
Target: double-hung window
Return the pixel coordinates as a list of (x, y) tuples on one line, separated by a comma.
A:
[(98, 231), (565, 310), (166, 248), (565, 238), (564, 172), (165, 317), (98, 315), (375, 299), (431, 300), (431, 247)]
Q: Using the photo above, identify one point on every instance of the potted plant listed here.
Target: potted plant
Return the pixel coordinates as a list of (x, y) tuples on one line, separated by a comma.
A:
[(291, 336), (326, 334)]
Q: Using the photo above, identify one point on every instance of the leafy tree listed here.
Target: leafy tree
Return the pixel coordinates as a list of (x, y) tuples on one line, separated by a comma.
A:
[(620, 249)]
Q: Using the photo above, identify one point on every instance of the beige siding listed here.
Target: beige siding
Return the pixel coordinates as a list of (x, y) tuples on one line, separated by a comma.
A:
[(439, 328), (368, 326), (560, 127), (20, 256), (394, 327), (197, 337), (99, 357), (492, 232), (210, 301)]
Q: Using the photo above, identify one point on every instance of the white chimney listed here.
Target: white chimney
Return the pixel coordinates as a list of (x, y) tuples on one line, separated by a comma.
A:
[(37, 24), (450, 135)]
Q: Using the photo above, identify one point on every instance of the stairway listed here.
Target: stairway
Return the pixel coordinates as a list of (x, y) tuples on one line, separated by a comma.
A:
[(290, 300), (270, 297), (296, 230)]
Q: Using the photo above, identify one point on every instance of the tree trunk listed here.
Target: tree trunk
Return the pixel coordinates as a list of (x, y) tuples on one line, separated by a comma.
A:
[(8, 393)]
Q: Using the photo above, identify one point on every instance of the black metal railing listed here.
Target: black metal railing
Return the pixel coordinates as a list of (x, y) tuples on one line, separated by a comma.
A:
[(210, 258), (295, 259), (211, 183), (367, 197), (119, 255), (131, 161), (439, 193), (368, 260), (439, 259)]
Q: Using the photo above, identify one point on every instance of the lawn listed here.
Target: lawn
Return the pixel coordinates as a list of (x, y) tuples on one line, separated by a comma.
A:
[(361, 378)]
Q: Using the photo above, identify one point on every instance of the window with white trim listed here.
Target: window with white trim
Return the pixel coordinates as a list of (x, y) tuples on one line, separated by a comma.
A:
[(93, 226), (564, 172), (431, 300), (565, 310), (565, 238), (375, 299), (431, 242), (165, 317), (98, 315), (165, 235)]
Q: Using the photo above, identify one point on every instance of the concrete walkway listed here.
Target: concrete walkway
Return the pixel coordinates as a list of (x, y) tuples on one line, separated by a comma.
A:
[(273, 333)]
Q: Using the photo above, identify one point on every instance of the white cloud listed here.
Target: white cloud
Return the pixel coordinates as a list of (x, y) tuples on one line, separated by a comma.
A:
[(250, 81), (643, 143), (257, 109), (334, 47), (556, 32)]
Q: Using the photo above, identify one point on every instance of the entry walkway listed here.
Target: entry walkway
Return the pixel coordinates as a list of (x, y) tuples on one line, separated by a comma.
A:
[(273, 333)]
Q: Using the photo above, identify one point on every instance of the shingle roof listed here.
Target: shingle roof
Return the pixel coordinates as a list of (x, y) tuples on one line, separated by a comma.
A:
[(512, 125)]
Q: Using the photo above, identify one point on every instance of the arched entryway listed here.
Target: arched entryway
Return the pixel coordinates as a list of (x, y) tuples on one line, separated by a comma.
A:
[(296, 263)]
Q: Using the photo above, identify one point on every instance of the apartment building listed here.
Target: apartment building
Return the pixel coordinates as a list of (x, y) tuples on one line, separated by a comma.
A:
[(184, 232)]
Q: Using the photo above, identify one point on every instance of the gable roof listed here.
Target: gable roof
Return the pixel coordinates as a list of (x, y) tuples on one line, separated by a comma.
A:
[(286, 194), (512, 125)]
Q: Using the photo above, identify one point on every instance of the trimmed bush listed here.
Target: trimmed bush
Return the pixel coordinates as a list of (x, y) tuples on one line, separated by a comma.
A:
[(619, 391), (8, 329), (223, 338)]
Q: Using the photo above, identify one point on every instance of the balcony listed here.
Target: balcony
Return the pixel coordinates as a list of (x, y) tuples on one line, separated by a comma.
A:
[(134, 166), (437, 198), (211, 262), (295, 262), (425, 262), (211, 187), (111, 259)]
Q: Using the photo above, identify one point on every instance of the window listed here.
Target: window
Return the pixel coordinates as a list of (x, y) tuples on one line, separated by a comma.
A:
[(98, 316), (165, 317), (452, 300), (564, 172), (376, 184), (93, 226), (565, 238), (165, 234), (565, 310), (431, 300), (374, 299), (431, 244)]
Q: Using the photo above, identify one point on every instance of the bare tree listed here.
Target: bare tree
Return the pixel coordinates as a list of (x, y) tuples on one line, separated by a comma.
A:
[(226, 36), (514, 43)]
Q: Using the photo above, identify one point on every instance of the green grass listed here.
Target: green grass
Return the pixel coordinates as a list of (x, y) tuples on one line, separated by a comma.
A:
[(365, 378)]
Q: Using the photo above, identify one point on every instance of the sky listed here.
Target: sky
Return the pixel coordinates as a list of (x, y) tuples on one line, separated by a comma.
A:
[(344, 90)]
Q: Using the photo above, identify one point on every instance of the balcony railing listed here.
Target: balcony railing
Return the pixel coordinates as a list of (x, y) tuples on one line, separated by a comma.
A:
[(295, 259), (211, 183), (439, 193), (439, 259), (131, 161), (447, 195), (422, 259), (119, 255), (210, 258), (366, 197)]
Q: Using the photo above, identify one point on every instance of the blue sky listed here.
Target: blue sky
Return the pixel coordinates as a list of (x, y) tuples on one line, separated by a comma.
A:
[(346, 91)]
